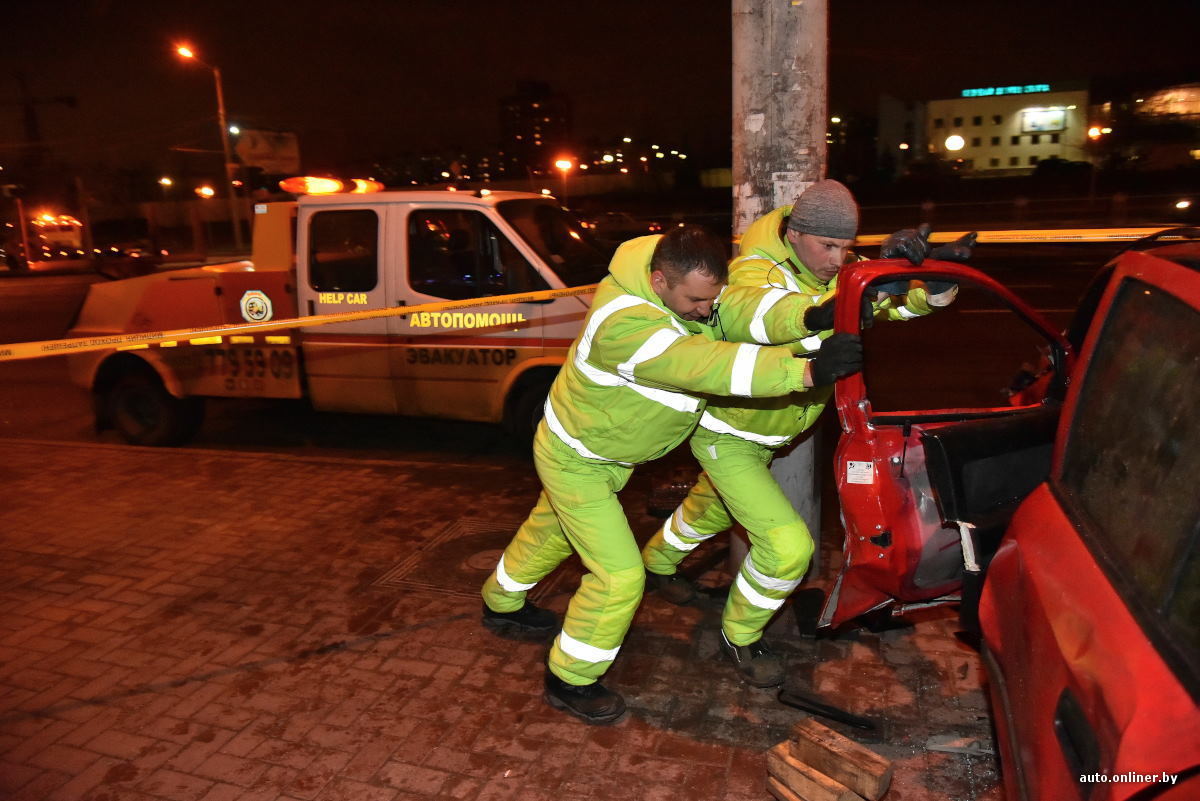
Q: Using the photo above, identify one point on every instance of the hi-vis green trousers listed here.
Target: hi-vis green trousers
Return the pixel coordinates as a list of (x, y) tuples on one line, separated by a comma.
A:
[(577, 510), (737, 485)]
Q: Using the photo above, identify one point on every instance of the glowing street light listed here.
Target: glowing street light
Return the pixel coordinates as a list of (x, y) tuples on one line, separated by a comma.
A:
[(954, 142), (165, 181), (205, 191), (189, 54), (565, 166)]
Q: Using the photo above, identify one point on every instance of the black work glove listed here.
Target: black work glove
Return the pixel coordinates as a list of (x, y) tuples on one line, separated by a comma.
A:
[(959, 250), (820, 318), (908, 243), (839, 356)]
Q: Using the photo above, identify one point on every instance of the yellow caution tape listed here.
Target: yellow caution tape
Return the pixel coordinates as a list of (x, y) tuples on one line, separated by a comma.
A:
[(213, 334), (1032, 235)]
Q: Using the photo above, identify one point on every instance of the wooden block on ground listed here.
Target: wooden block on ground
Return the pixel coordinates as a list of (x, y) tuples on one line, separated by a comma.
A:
[(780, 790), (804, 782), (840, 758)]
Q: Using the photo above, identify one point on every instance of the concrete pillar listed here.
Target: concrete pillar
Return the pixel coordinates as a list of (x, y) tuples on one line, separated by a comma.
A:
[(780, 66)]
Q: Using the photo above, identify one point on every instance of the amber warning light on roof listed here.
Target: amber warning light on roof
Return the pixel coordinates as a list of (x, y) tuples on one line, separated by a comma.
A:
[(312, 185)]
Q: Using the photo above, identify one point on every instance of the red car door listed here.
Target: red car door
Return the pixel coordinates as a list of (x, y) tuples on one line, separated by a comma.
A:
[(933, 454)]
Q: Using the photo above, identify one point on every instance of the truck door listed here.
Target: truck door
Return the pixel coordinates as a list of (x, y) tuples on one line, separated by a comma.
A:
[(338, 259), (460, 364), (933, 456)]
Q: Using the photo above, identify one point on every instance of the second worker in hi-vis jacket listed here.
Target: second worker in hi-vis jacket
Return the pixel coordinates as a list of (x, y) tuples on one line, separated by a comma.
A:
[(781, 288)]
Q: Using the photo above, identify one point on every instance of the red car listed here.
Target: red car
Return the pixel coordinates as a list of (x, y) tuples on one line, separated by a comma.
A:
[(1066, 525)]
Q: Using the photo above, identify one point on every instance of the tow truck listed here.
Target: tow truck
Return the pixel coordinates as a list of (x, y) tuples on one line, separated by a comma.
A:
[(353, 251)]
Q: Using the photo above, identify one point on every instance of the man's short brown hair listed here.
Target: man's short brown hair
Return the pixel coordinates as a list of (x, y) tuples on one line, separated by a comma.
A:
[(690, 248)]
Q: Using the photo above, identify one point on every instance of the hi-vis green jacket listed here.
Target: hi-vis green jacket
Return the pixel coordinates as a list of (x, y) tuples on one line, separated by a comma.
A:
[(628, 391), (769, 291)]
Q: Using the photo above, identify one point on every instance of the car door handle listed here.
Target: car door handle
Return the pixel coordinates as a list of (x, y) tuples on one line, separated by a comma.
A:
[(1077, 740)]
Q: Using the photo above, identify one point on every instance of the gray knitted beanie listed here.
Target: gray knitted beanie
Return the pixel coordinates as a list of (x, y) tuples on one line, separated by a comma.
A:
[(825, 209)]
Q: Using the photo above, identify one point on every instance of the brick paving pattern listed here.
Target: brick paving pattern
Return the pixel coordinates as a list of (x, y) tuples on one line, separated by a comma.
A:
[(206, 626)]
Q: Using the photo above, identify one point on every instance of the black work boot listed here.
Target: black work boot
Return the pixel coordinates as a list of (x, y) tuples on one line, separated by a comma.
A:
[(593, 703), (529, 621), (674, 588), (754, 662)]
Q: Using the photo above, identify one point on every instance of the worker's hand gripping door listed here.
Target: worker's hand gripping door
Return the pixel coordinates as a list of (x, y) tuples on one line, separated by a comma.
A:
[(460, 363), (340, 270), (933, 456)]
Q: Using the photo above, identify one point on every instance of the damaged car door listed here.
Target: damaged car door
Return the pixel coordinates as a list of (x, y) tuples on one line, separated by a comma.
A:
[(935, 453)]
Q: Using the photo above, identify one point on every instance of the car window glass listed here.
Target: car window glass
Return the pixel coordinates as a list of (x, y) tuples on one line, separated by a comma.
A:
[(1133, 450), (343, 247), (558, 239), (910, 367), (458, 254)]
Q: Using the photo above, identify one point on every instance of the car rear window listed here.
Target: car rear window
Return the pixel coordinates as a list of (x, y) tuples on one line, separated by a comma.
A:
[(1133, 455)]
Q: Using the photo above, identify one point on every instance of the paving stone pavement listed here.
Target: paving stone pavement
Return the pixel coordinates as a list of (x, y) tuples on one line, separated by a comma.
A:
[(210, 626)]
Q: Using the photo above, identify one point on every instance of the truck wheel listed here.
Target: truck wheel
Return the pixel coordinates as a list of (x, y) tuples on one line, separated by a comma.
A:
[(144, 413), (526, 411)]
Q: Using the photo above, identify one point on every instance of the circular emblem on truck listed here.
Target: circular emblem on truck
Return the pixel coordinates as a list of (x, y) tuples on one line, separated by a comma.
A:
[(256, 306)]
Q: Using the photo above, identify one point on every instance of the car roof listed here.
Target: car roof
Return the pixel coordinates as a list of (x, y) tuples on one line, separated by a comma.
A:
[(1179, 245)]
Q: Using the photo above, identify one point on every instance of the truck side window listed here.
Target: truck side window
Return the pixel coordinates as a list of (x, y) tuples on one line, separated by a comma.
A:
[(343, 250), (458, 254)]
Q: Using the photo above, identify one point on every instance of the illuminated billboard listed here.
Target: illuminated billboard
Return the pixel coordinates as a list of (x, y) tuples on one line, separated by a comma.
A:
[(1037, 120)]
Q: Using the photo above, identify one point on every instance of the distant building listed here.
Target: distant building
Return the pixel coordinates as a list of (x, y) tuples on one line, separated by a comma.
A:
[(1009, 129), (1175, 102), (535, 126), (901, 134)]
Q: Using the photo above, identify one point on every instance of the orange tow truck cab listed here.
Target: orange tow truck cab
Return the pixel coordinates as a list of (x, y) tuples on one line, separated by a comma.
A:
[(326, 254)]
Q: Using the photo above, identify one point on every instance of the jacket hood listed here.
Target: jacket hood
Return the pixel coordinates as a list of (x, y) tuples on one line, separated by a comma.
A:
[(630, 270), (765, 237), (630, 267)]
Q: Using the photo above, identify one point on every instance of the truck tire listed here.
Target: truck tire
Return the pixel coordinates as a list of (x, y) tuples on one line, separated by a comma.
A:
[(526, 409), (144, 413)]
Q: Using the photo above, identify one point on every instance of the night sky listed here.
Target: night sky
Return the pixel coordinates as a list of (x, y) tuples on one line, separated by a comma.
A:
[(357, 79)]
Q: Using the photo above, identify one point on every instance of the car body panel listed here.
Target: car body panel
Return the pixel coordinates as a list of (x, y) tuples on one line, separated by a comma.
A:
[(1066, 622)]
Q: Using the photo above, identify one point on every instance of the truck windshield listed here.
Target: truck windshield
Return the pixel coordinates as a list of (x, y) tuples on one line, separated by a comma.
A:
[(558, 239)]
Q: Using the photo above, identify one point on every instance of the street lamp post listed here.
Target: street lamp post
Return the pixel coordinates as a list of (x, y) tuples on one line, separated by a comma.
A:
[(565, 165), (230, 167)]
